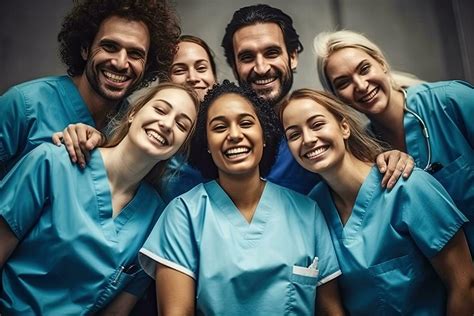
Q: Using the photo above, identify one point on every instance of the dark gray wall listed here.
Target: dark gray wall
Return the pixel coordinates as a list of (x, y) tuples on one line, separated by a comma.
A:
[(432, 39)]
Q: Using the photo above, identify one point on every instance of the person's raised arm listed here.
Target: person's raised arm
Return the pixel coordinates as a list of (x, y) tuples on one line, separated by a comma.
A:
[(175, 292), (393, 164), (79, 140), (455, 268)]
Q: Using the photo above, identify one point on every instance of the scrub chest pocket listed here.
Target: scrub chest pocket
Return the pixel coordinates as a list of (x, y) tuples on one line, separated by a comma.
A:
[(301, 290)]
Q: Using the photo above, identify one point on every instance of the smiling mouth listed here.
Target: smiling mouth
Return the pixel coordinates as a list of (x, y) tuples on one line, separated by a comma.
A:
[(157, 137), (316, 152), (262, 82), (369, 96), (236, 152), (115, 77)]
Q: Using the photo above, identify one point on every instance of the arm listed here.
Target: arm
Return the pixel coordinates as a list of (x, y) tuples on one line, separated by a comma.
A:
[(8, 242), (122, 305), (394, 163), (455, 268), (79, 140), (461, 105), (175, 292), (328, 300)]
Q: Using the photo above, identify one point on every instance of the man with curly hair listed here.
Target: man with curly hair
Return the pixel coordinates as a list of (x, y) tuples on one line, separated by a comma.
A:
[(110, 48), (262, 47)]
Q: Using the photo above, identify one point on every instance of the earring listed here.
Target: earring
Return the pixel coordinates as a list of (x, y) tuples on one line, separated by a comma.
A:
[(264, 145), (208, 151)]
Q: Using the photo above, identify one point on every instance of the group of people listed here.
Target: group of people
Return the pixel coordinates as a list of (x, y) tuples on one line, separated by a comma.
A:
[(235, 198)]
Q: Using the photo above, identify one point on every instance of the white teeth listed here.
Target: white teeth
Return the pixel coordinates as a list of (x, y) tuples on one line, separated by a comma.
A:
[(156, 136), (237, 151), (264, 81), (114, 77), (316, 152), (370, 95)]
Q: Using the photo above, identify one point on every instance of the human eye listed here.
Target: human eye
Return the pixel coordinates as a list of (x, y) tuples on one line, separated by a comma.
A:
[(109, 47), (182, 126), (273, 53), (135, 54), (246, 123), (246, 58), (219, 128), (364, 69), (341, 83), (201, 68), (160, 110), (178, 71), (316, 125), (293, 135)]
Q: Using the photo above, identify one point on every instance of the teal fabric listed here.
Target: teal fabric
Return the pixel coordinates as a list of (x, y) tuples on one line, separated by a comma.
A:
[(73, 257), (242, 268), (447, 109), (385, 246), (32, 111)]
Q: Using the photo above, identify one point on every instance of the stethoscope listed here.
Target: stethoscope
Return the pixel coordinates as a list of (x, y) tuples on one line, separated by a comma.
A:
[(430, 167)]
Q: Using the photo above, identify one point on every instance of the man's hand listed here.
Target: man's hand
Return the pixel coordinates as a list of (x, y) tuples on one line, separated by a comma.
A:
[(394, 163), (79, 140)]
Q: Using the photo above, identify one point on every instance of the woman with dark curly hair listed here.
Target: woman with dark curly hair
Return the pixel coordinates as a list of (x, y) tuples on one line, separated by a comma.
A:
[(240, 244)]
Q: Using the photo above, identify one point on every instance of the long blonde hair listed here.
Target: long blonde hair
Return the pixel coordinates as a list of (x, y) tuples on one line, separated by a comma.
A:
[(360, 143), (120, 127), (326, 43)]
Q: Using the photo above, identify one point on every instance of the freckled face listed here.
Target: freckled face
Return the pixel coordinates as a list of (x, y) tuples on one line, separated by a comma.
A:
[(315, 137), (359, 80), (162, 125), (191, 65)]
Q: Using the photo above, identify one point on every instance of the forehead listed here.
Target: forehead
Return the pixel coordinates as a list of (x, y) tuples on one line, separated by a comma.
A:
[(230, 105), (179, 100), (346, 59), (302, 109), (190, 52), (124, 31), (258, 37)]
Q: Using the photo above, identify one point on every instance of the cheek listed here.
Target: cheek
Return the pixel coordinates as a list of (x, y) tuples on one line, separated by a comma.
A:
[(180, 79)]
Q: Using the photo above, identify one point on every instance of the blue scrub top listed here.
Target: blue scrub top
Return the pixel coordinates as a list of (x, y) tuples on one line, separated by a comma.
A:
[(261, 268), (285, 172), (73, 257), (32, 111), (447, 108), (385, 246)]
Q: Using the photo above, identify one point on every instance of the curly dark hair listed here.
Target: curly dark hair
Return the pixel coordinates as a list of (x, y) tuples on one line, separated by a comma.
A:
[(260, 13), (272, 132), (81, 25)]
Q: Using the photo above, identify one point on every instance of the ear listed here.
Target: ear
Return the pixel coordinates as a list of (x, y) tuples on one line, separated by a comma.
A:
[(84, 53), (131, 117), (345, 129), (293, 60)]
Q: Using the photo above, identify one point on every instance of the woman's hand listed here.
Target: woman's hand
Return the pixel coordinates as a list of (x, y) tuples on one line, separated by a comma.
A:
[(394, 163)]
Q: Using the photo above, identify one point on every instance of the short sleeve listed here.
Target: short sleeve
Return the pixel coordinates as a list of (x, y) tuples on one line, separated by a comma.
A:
[(13, 125), (430, 214), (461, 97), (328, 265), (25, 190), (171, 242)]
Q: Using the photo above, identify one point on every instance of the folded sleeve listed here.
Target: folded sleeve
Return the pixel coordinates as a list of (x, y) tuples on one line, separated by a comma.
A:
[(172, 242)]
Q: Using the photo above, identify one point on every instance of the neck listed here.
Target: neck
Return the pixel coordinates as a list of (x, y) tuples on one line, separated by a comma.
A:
[(99, 107), (345, 181), (389, 124), (244, 190)]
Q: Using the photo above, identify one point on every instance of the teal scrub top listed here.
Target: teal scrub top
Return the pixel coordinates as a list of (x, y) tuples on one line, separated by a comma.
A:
[(385, 246), (32, 111), (73, 257), (447, 108), (261, 268)]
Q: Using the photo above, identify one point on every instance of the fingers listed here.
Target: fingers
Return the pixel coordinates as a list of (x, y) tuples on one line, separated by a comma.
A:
[(95, 139), (395, 164), (69, 143), (57, 138)]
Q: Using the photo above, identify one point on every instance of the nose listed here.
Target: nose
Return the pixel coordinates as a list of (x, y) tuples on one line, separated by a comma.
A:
[(120, 60), (309, 136), (235, 134), (360, 83), (261, 65), (166, 122), (192, 77)]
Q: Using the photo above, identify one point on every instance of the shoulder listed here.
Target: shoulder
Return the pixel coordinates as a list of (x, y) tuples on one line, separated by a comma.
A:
[(439, 88), (419, 182), (40, 83)]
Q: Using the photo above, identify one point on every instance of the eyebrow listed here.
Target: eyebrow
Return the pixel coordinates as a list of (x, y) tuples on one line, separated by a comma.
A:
[(307, 120), (132, 48), (171, 106), (359, 65), (223, 118)]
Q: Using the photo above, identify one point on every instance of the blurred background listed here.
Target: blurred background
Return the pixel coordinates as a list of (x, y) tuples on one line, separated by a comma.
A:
[(432, 39)]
